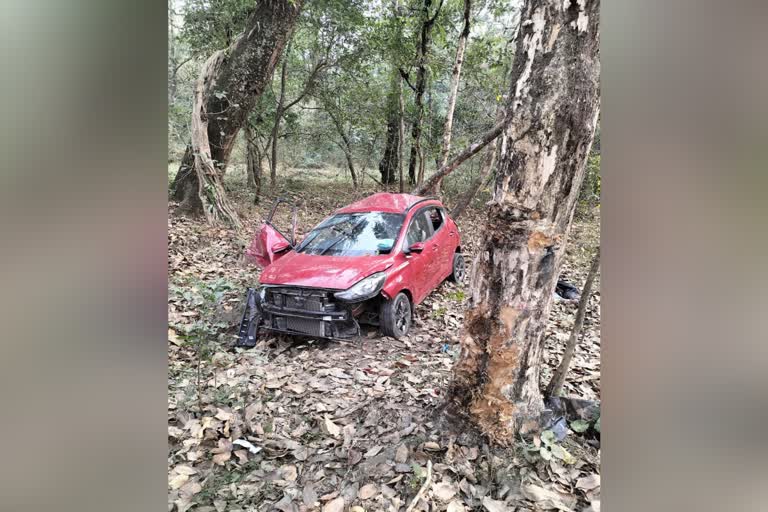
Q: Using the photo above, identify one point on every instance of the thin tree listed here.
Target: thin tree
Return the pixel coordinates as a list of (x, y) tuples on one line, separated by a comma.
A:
[(553, 105), (453, 91), (283, 105), (555, 387), (425, 37), (254, 158), (240, 75), (486, 167)]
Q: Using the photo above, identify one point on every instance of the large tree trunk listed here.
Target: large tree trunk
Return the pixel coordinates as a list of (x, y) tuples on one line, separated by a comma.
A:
[(453, 91), (244, 72), (211, 192), (421, 84), (390, 161), (554, 103), (555, 387), (278, 117)]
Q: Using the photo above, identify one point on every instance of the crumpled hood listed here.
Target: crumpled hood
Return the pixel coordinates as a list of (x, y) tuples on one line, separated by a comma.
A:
[(314, 271)]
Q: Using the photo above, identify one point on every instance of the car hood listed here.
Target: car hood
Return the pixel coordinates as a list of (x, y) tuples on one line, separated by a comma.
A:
[(314, 271)]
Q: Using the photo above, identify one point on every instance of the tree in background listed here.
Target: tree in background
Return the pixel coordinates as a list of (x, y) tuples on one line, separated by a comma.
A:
[(234, 80), (454, 89), (552, 108)]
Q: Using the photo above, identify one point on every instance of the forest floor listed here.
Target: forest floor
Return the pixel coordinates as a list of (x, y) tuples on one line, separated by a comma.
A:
[(301, 424)]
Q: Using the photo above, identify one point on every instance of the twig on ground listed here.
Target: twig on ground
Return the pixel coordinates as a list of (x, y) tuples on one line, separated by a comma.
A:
[(423, 489)]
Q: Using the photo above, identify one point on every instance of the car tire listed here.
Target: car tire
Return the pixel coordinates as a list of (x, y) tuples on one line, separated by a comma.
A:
[(459, 268), (395, 316)]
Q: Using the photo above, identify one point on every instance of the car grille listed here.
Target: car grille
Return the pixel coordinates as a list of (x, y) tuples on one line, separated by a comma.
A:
[(301, 299), (306, 326)]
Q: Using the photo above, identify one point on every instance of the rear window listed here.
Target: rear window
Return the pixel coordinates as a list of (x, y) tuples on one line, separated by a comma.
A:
[(354, 234)]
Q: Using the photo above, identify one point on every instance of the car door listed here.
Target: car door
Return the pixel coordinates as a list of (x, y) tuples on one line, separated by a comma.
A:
[(419, 273), (441, 241)]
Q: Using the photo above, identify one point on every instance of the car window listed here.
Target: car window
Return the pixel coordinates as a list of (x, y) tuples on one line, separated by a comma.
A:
[(354, 234), (420, 229), (436, 218)]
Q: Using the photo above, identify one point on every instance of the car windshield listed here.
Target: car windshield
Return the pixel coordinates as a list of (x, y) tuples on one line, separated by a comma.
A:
[(354, 234)]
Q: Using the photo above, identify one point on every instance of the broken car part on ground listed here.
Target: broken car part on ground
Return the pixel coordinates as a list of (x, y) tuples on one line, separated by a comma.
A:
[(370, 262)]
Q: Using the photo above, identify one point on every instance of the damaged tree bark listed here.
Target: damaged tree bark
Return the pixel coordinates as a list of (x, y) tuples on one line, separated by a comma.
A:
[(555, 387), (245, 70), (554, 102)]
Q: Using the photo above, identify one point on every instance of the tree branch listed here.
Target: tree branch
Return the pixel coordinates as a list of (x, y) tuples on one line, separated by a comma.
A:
[(469, 152)]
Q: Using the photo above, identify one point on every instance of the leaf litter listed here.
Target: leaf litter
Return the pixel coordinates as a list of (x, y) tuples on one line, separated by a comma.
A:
[(302, 424)]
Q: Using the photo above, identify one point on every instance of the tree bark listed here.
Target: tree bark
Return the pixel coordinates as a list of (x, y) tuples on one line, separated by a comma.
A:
[(454, 90), (401, 133), (346, 147), (468, 152), (554, 101), (485, 170), (253, 162), (211, 192), (421, 83), (555, 387), (244, 72), (390, 160)]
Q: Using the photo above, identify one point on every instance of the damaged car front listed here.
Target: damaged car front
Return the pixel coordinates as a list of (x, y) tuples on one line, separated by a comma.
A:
[(327, 285)]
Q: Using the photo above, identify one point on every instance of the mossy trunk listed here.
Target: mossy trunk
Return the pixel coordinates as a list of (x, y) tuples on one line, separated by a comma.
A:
[(553, 107)]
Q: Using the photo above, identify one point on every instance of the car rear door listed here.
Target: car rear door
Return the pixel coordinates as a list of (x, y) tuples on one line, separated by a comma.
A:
[(442, 247)]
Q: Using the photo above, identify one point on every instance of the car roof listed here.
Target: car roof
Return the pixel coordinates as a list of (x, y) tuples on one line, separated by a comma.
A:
[(385, 202)]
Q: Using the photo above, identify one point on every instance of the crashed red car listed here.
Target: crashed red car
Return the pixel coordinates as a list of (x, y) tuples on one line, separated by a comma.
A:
[(369, 263)]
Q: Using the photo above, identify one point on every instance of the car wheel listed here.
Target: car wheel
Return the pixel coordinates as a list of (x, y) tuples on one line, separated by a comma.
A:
[(459, 268), (396, 316)]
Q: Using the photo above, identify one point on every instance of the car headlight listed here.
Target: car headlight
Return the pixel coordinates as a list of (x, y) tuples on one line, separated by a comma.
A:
[(363, 289)]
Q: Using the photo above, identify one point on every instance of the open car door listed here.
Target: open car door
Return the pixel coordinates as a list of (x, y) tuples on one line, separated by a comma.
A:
[(270, 244)]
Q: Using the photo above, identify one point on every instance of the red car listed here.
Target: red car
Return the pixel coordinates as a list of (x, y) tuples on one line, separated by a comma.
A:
[(370, 262)]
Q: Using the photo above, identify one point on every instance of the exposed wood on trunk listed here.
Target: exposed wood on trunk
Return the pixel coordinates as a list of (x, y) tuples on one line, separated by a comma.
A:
[(216, 206), (555, 387), (453, 91), (468, 152), (244, 72), (554, 104), (420, 86)]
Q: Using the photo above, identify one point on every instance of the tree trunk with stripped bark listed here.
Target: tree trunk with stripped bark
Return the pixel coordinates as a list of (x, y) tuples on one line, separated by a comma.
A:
[(553, 107)]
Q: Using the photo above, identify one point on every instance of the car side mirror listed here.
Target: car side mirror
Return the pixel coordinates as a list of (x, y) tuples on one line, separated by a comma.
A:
[(417, 247)]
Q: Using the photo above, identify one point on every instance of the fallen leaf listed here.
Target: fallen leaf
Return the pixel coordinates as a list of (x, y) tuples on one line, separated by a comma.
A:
[(184, 469), (547, 499), (330, 427), (373, 452), (289, 473), (177, 481), (335, 505), (367, 491), (494, 505), (431, 446), (455, 506), (401, 454), (247, 444), (444, 491), (588, 482)]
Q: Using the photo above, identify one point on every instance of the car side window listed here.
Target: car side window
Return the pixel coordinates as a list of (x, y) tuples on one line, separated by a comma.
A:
[(436, 218), (420, 229)]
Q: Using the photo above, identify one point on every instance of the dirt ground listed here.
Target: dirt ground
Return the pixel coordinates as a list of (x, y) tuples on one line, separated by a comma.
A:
[(302, 424)]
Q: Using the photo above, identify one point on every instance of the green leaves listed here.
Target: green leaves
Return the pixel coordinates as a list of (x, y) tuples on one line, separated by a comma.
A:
[(579, 426)]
